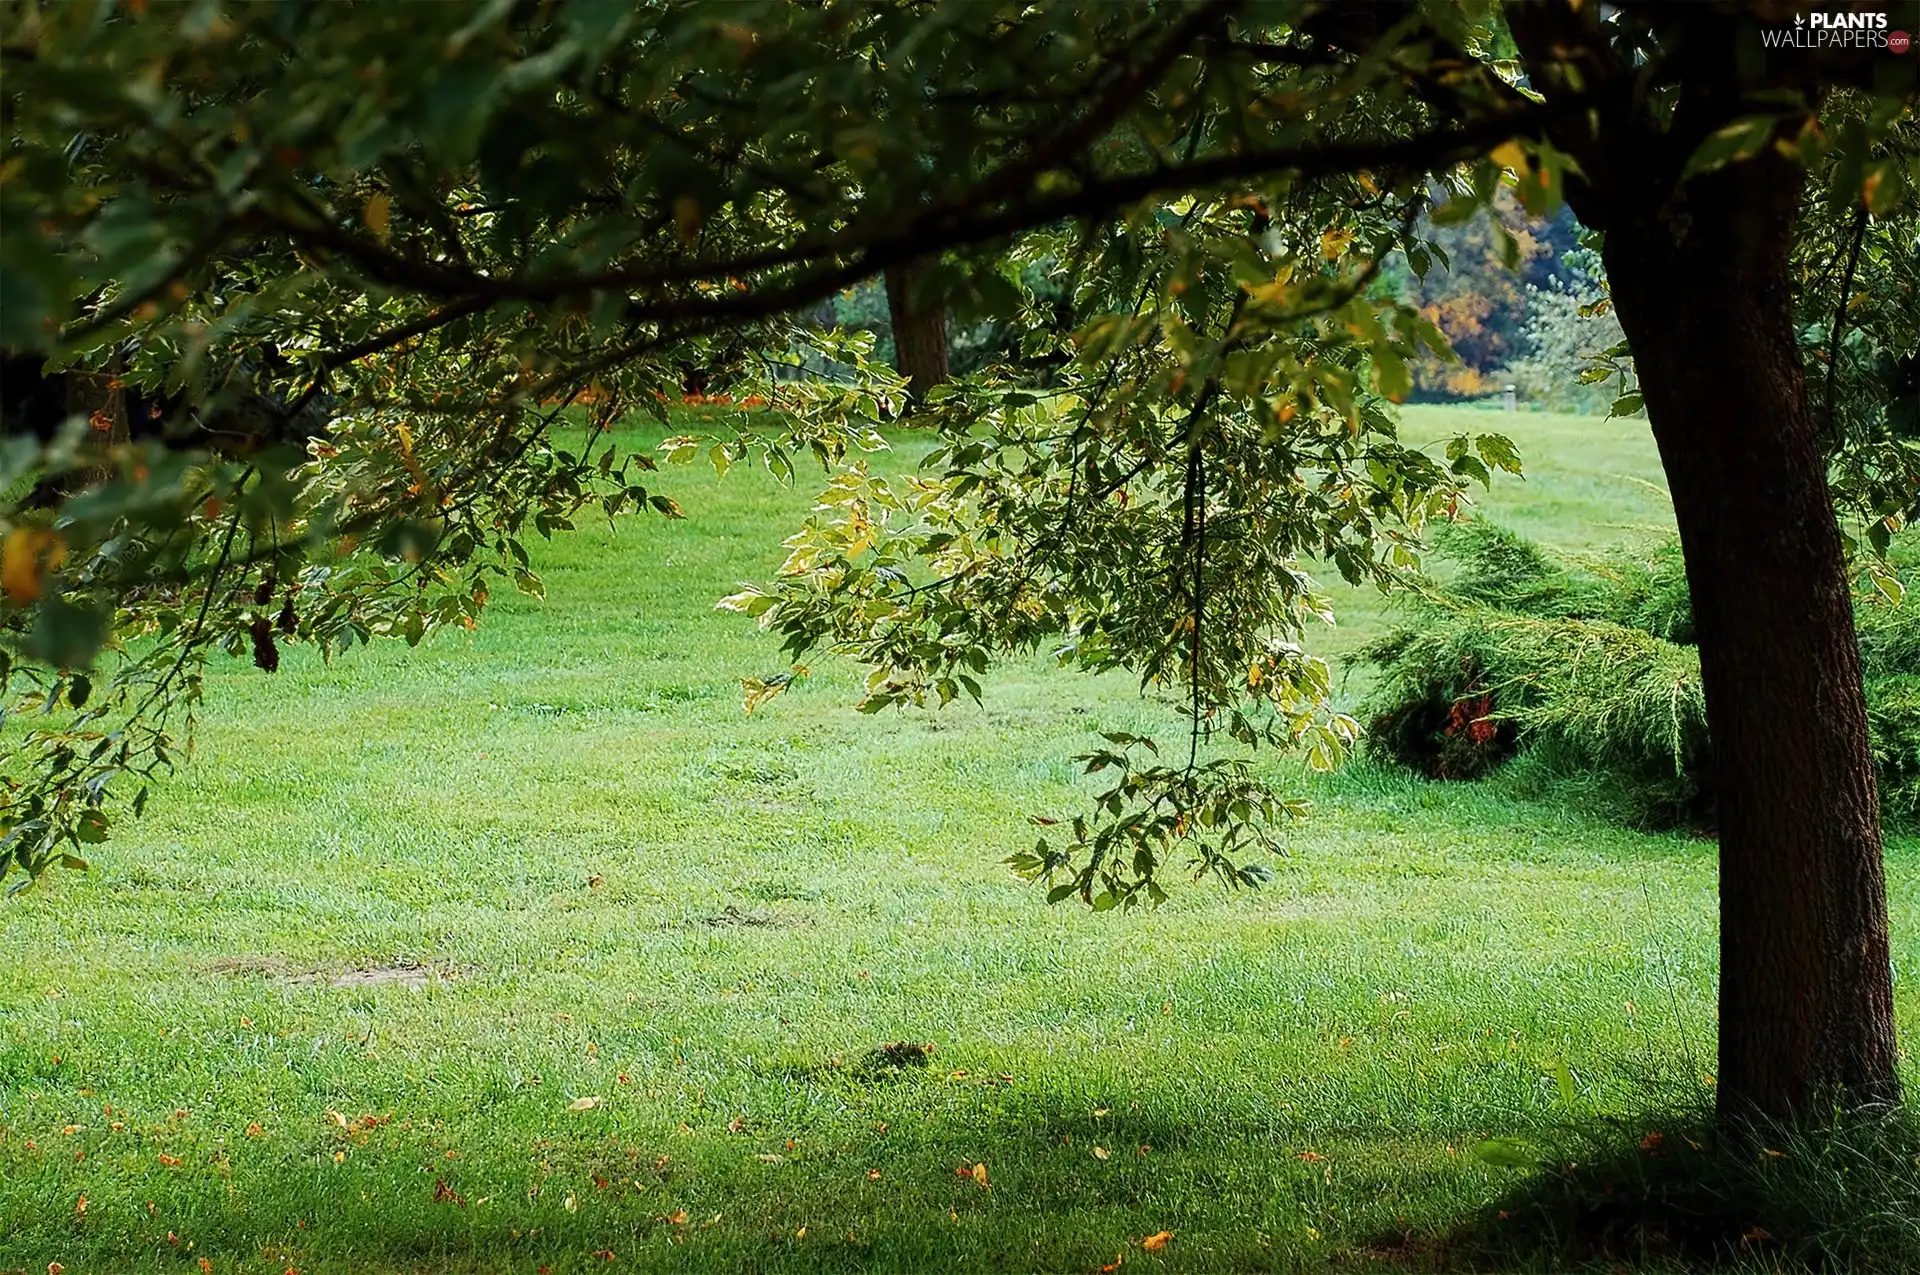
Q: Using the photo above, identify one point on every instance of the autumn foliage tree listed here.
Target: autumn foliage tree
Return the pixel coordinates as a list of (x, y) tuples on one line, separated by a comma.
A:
[(441, 225)]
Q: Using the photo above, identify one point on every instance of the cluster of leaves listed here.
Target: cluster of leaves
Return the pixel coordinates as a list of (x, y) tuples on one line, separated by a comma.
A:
[(1587, 666), (361, 244), (1222, 421)]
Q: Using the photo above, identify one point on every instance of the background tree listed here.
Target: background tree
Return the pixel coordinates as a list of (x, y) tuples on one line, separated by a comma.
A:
[(449, 224), (919, 330)]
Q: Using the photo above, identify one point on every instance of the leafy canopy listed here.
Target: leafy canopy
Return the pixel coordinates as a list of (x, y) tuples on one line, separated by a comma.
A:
[(444, 231)]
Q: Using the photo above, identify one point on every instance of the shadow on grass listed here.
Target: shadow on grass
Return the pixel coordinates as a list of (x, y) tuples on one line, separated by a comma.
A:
[(1674, 1192), (1023, 1186), (1068, 1185)]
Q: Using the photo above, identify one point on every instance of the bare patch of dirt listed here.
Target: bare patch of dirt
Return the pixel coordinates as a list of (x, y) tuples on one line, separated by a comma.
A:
[(252, 963), (402, 973), (731, 916)]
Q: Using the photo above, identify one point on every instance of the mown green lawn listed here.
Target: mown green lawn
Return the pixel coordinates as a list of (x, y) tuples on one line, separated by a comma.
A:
[(527, 951)]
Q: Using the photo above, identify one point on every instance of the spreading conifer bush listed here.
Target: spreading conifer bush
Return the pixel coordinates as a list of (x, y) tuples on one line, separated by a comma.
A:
[(1586, 666)]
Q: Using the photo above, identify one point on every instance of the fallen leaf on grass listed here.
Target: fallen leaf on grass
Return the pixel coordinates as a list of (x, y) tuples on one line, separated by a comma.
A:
[(1312, 1157), (980, 1174), (1099, 1153), (170, 1161), (444, 1194), (1157, 1241), (873, 1175), (583, 1104), (571, 1203), (80, 1205), (604, 1254)]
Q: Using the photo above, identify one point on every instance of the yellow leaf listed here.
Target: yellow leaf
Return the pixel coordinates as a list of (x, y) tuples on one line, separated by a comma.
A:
[(1157, 1241), (572, 1203), (583, 1104), (375, 215), (1099, 1153), (980, 1174), (336, 1117), (687, 217), (1510, 155), (26, 558), (800, 1234)]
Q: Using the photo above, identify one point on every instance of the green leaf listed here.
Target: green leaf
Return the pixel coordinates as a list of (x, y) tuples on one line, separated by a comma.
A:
[(1499, 451), (1736, 141), (1563, 1078), (1507, 1153)]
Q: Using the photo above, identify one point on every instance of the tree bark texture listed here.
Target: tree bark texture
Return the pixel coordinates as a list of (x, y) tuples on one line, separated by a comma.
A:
[(919, 332), (1701, 282)]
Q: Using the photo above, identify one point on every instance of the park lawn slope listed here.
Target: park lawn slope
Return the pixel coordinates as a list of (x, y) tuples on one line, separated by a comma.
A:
[(528, 949)]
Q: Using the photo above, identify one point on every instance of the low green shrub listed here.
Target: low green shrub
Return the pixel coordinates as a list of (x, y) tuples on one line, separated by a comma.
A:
[(1471, 685), (1587, 665)]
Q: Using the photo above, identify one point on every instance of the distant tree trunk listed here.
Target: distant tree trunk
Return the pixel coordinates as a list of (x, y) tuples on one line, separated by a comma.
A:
[(1700, 279), (919, 334)]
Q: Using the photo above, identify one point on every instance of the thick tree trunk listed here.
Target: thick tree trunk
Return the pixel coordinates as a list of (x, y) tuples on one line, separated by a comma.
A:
[(1702, 288), (919, 332)]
